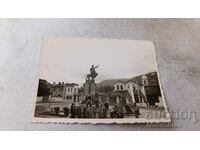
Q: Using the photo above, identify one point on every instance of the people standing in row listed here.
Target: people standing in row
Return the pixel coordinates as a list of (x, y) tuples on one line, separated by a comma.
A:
[(101, 110)]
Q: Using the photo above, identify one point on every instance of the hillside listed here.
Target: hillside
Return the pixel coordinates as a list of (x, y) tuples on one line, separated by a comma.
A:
[(152, 78), (109, 82)]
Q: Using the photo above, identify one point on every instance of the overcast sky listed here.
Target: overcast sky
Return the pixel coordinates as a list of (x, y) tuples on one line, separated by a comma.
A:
[(69, 59)]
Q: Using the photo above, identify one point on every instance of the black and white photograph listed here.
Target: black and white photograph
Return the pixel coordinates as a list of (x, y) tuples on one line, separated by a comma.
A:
[(126, 70), (98, 81)]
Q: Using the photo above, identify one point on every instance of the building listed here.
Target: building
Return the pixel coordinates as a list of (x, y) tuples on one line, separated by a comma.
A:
[(130, 91), (57, 89), (67, 91), (70, 91), (144, 90)]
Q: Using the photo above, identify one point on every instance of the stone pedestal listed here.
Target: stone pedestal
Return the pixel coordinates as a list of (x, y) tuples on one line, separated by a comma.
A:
[(89, 88)]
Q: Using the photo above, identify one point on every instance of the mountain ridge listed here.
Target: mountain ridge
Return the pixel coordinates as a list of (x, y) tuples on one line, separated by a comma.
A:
[(151, 77)]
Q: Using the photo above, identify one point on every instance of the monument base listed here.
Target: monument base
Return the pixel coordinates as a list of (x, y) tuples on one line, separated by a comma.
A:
[(89, 88)]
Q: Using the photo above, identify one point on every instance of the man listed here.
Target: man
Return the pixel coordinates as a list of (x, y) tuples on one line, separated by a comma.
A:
[(137, 111), (73, 110), (93, 71)]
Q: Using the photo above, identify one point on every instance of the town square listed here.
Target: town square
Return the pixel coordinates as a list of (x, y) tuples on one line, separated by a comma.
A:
[(134, 97)]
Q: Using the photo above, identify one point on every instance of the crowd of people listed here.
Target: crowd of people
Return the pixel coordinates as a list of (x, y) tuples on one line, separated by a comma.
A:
[(101, 110), (89, 111)]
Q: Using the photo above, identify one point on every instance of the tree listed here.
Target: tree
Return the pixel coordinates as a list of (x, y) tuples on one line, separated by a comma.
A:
[(43, 88)]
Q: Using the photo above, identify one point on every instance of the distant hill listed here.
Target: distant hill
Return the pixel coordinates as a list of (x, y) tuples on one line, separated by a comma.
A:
[(109, 82), (152, 79)]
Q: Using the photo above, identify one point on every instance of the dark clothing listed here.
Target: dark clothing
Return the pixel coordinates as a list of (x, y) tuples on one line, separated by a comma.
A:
[(106, 105), (96, 103), (120, 111), (137, 112), (73, 110), (79, 112), (90, 112), (85, 112), (104, 112), (100, 112)]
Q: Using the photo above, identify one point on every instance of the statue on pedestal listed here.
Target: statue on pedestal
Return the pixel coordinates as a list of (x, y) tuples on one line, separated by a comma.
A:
[(89, 85), (93, 74)]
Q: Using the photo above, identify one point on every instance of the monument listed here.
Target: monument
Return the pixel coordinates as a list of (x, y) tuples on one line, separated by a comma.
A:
[(89, 85)]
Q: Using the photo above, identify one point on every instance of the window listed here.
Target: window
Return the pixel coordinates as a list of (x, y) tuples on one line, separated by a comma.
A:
[(133, 87), (121, 87), (117, 87)]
